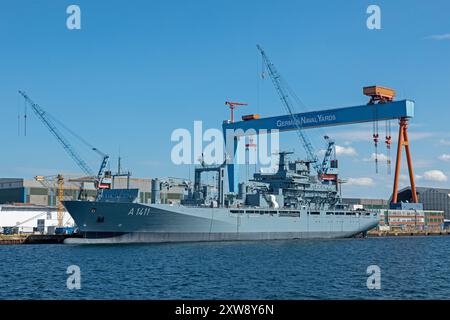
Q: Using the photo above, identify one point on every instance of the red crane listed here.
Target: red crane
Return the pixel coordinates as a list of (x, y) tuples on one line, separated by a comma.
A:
[(232, 106)]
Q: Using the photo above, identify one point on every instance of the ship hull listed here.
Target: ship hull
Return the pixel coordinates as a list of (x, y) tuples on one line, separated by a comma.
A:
[(103, 222), (162, 237)]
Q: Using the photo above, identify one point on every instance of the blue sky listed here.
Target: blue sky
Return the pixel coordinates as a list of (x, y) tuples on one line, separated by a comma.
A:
[(135, 72)]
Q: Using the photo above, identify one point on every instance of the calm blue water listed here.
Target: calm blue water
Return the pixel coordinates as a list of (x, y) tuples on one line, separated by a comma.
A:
[(416, 267)]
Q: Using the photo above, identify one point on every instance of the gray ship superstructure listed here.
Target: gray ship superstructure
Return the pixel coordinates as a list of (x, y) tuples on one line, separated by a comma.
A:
[(288, 204)]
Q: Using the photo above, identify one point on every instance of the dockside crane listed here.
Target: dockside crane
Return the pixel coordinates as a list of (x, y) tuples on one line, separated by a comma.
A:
[(320, 167), (48, 121), (105, 160), (233, 106)]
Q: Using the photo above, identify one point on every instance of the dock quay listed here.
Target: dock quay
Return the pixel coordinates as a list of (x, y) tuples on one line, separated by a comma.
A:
[(407, 233), (12, 239), (34, 239)]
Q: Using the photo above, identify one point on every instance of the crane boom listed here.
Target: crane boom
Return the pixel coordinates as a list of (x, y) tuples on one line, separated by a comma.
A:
[(276, 79), (42, 115)]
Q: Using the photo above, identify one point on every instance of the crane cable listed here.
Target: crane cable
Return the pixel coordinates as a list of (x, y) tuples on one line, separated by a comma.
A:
[(259, 77), (84, 141), (302, 106), (77, 136), (388, 145), (18, 116), (375, 136), (54, 119), (25, 118)]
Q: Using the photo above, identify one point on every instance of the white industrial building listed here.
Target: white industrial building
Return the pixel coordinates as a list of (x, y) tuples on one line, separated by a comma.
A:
[(31, 218)]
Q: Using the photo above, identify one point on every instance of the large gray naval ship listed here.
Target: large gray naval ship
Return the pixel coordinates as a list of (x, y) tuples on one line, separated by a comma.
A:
[(288, 204)]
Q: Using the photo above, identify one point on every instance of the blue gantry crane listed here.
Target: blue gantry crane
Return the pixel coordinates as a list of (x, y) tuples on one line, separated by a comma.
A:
[(402, 110), (51, 126)]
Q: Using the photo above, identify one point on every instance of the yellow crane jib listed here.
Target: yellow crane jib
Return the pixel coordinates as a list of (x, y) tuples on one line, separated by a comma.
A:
[(55, 182)]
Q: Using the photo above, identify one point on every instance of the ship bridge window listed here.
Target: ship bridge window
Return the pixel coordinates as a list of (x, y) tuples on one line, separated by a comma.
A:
[(272, 212), (330, 213), (339, 213), (250, 211), (350, 213), (315, 212), (289, 213)]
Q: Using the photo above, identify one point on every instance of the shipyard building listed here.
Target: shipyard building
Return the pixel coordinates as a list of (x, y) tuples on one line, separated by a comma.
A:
[(429, 219), (366, 203), (25, 218), (411, 220), (431, 198)]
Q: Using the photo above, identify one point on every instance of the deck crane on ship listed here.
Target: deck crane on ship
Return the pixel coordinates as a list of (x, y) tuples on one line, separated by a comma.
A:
[(321, 167)]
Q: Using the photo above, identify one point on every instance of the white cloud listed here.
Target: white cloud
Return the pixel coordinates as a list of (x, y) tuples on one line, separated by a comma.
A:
[(434, 175), (340, 151), (444, 157), (444, 142), (404, 178), (362, 182), (445, 36), (346, 151), (381, 157)]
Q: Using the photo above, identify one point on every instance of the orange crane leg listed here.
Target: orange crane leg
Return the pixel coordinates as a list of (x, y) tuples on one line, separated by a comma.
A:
[(410, 165), (397, 163), (403, 141)]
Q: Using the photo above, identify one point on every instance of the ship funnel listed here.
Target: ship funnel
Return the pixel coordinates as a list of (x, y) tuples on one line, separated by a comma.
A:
[(156, 191), (242, 191)]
